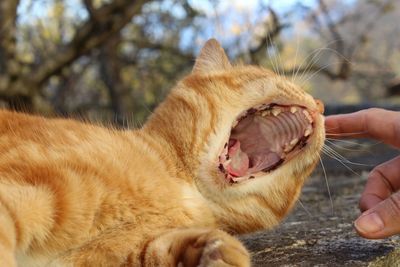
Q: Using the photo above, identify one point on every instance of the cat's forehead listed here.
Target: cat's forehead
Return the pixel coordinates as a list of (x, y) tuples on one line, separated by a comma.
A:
[(237, 74)]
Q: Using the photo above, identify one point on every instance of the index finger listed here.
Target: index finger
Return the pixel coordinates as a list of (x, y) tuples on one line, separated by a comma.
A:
[(373, 123)]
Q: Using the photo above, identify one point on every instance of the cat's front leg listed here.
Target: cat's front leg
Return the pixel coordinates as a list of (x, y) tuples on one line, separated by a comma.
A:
[(8, 238), (196, 247)]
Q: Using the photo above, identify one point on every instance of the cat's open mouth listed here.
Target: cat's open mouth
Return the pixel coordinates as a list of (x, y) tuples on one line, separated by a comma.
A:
[(262, 139)]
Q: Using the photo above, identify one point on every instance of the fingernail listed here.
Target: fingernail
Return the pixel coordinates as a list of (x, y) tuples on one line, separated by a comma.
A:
[(369, 223)]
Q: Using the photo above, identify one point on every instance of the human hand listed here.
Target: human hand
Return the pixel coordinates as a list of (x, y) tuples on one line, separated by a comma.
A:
[(380, 200)]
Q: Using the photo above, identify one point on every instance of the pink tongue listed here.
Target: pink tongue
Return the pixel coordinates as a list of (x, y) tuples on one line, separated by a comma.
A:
[(239, 160)]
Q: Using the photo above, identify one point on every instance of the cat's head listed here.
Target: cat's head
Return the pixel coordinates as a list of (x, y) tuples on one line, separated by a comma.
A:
[(246, 136)]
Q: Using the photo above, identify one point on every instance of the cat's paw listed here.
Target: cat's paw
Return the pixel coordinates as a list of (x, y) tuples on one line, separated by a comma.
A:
[(216, 249), (196, 248)]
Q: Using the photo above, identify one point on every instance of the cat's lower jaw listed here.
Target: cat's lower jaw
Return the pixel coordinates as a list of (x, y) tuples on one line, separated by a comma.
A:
[(196, 247)]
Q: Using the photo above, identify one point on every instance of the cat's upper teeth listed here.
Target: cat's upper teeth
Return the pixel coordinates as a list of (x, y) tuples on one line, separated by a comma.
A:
[(266, 113), (293, 109), (276, 111)]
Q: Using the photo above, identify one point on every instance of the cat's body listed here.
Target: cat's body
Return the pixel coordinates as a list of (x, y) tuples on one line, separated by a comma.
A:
[(83, 181), (74, 194)]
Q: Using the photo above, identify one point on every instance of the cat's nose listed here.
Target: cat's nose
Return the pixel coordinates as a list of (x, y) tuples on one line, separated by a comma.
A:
[(320, 106)]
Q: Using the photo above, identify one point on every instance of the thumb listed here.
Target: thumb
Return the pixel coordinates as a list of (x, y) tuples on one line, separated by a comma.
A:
[(382, 220)]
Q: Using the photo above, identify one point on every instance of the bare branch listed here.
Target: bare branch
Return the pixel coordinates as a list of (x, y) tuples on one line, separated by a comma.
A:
[(8, 15), (111, 18), (332, 27), (90, 8), (147, 44), (267, 40), (110, 71)]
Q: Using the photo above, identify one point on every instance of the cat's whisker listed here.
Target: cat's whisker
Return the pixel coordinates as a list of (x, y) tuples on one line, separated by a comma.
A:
[(327, 184), (328, 153), (305, 60), (273, 59), (310, 64), (342, 147), (331, 128), (316, 72), (327, 65), (278, 57), (314, 54), (354, 142), (344, 141), (336, 53), (305, 209), (346, 134), (338, 156), (346, 148), (332, 153)]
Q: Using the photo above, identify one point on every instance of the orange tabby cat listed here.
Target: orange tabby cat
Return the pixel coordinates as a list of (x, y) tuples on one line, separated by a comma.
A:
[(227, 152)]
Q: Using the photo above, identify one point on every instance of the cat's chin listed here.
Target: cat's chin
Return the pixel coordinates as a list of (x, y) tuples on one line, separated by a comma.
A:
[(262, 139)]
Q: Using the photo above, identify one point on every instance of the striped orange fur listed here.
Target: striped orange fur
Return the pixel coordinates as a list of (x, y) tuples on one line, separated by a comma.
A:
[(76, 194)]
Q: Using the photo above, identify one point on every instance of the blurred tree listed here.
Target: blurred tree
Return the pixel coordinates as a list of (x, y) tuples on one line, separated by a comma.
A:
[(51, 53), (20, 83), (341, 47), (109, 59)]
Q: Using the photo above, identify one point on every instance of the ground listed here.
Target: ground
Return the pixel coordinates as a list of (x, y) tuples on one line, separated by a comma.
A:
[(319, 233)]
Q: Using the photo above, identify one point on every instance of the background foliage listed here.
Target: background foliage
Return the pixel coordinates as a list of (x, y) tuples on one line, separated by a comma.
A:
[(115, 60)]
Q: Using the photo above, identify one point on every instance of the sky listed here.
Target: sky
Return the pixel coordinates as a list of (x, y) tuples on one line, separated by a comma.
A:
[(248, 4), (234, 11), (223, 19), (38, 8)]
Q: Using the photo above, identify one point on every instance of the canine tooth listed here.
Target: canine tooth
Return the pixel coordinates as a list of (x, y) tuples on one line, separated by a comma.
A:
[(235, 124), (294, 141), (308, 116), (276, 111), (293, 109), (308, 131)]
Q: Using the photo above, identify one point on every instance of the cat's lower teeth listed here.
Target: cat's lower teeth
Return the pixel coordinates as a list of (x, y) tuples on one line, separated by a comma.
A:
[(308, 131), (289, 146)]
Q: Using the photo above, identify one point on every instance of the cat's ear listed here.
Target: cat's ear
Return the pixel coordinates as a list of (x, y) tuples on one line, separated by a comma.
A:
[(212, 58)]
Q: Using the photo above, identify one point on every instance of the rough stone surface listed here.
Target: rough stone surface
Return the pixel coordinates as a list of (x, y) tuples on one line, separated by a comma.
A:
[(320, 232)]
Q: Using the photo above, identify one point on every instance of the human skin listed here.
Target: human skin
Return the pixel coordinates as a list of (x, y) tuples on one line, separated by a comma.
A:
[(380, 200)]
